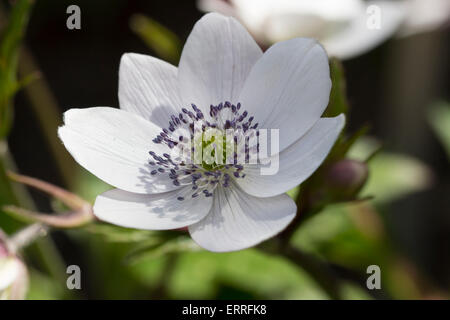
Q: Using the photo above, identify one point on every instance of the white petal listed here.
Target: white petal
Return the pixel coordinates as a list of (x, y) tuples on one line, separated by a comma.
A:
[(328, 9), (359, 37), (424, 16), (277, 20), (113, 145), (161, 211), (312, 19), (9, 270), (148, 87), (238, 220), (215, 61), (297, 162), (288, 25), (216, 6), (288, 88)]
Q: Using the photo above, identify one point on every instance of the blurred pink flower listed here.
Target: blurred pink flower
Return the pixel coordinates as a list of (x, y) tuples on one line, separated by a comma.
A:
[(13, 276)]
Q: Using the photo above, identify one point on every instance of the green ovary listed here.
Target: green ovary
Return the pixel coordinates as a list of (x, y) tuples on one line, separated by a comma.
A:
[(208, 151)]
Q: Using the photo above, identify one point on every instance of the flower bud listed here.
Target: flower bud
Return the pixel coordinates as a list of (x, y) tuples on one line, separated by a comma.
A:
[(13, 276), (346, 177)]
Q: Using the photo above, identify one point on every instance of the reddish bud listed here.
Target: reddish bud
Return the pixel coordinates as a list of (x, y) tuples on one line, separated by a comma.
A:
[(347, 177)]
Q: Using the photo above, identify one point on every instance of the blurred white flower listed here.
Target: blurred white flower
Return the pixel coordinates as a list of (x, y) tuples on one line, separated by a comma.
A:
[(13, 276), (222, 72), (424, 16), (343, 27)]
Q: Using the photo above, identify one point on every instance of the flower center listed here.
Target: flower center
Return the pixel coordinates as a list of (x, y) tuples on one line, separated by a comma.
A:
[(217, 147), (205, 153)]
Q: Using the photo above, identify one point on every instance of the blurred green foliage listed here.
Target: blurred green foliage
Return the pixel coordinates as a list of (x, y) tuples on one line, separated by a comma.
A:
[(353, 234), (392, 175), (338, 96), (158, 38), (439, 117), (11, 35), (10, 41)]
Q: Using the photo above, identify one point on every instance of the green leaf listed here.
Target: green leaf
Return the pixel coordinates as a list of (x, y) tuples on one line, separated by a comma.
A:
[(117, 234), (338, 97), (157, 37), (208, 275), (294, 192), (177, 244), (88, 186), (393, 175), (43, 287), (9, 52), (439, 117), (364, 149), (344, 144), (14, 31)]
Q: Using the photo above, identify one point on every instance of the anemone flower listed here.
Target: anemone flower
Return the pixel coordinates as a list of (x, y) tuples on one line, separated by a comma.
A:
[(223, 81), (346, 28)]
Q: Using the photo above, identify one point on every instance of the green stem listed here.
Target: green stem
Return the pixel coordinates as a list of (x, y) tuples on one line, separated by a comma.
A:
[(26, 236)]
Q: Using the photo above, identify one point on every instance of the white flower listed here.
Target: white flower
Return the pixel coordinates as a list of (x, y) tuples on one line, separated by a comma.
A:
[(230, 207), (13, 276), (340, 25), (424, 16)]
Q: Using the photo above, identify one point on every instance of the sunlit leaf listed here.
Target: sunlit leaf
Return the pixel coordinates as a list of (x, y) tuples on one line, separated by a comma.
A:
[(162, 247), (113, 233), (157, 37), (249, 273), (42, 287), (363, 148), (87, 185), (338, 97), (395, 175), (293, 193), (439, 117), (9, 52)]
